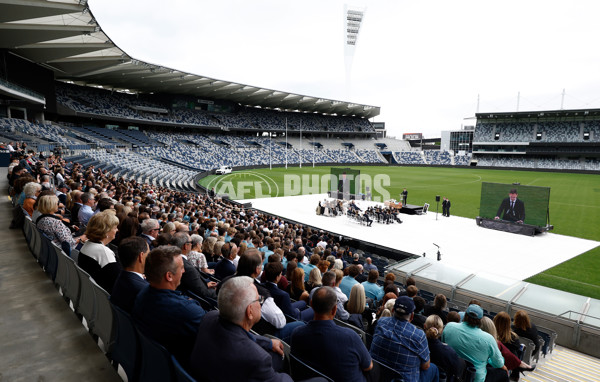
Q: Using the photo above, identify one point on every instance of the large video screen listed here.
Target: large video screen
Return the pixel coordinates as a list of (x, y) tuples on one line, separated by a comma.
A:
[(528, 205)]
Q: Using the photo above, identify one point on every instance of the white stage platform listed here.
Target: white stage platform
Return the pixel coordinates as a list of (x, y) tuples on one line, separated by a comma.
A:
[(463, 244)]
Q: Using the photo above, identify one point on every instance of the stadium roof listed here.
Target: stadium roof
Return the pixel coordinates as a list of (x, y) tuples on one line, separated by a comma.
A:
[(64, 37)]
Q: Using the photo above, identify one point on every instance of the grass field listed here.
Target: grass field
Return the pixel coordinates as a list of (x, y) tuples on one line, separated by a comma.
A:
[(574, 204)]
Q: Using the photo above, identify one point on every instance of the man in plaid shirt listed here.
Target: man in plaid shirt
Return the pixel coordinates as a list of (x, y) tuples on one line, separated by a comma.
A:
[(402, 346)]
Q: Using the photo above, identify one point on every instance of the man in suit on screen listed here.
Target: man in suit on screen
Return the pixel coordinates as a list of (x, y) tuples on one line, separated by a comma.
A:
[(511, 209)]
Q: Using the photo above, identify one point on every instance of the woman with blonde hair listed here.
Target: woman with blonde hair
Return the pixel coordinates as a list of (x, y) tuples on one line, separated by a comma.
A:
[(95, 257), (511, 361), (208, 248), (388, 307), (357, 301), (169, 228), (52, 225), (314, 279), (442, 355)]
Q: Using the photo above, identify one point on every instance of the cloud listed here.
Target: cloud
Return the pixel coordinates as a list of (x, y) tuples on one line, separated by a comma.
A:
[(424, 63)]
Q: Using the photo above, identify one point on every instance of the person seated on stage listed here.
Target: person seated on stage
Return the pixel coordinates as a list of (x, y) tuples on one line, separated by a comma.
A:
[(366, 219), (394, 215)]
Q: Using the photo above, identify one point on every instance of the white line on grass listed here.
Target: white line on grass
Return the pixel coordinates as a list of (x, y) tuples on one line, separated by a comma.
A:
[(572, 280)]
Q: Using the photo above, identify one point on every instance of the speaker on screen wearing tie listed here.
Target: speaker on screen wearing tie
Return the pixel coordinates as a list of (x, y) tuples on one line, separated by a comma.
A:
[(511, 209)]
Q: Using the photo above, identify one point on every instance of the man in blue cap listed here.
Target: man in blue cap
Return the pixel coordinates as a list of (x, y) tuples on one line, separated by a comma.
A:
[(476, 346), (402, 346)]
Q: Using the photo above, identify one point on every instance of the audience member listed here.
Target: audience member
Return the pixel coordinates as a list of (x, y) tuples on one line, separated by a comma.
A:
[(196, 257), (95, 257), (438, 308), (511, 361), (150, 230), (225, 267), (272, 318), (192, 280), (523, 327), (348, 281), (297, 309), (86, 211), (225, 349), (132, 255), (419, 318), (402, 346), (52, 226), (297, 289), (368, 267), (453, 316), (335, 351), (314, 280), (476, 346), (373, 290), (357, 301), (442, 355), (163, 313)]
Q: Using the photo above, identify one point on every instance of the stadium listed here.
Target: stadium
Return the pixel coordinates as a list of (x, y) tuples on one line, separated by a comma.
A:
[(67, 89)]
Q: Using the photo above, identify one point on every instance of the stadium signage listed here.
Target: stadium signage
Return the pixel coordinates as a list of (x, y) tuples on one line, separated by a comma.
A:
[(262, 186)]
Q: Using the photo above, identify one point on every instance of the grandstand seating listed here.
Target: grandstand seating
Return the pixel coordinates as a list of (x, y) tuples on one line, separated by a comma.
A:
[(142, 168), (142, 108), (409, 157), (536, 132), (438, 157)]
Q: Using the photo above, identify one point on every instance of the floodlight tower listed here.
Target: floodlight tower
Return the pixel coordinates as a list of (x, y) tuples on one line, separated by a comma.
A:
[(353, 18)]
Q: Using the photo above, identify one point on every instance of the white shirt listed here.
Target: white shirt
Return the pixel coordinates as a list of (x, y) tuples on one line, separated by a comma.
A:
[(272, 314)]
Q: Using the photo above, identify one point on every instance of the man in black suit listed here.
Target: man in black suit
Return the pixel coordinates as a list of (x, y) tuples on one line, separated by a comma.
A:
[(404, 196), (150, 230), (446, 207), (132, 255), (76, 196), (511, 208), (225, 349), (225, 267), (297, 309), (192, 280)]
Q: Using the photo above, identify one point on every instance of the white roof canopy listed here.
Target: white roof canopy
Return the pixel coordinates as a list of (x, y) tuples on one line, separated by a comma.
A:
[(66, 38)]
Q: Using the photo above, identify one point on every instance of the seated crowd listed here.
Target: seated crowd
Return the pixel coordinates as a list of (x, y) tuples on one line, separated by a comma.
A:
[(161, 253)]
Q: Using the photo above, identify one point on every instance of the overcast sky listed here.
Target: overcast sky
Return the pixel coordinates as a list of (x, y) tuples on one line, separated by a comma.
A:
[(423, 62)]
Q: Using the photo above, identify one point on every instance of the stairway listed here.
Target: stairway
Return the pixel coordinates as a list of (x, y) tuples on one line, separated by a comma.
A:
[(565, 365)]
